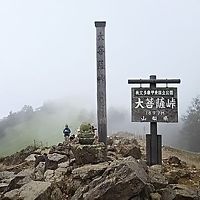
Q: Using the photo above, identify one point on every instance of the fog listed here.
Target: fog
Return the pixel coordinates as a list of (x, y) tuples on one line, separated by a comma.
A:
[(47, 53), (44, 125)]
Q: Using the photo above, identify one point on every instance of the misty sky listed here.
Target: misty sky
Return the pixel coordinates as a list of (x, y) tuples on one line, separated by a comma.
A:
[(47, 49)]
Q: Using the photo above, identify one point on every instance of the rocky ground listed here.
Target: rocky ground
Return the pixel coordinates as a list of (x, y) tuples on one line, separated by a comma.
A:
[(88, 172)]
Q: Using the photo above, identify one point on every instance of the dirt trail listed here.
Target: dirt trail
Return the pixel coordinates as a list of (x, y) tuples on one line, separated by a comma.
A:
[(190, 158)]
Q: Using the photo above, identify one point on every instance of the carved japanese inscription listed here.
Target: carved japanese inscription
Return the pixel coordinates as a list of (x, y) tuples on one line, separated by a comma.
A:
[(154, 105)]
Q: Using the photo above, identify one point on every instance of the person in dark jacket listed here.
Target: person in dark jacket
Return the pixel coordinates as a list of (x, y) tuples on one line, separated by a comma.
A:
[(66, 132)]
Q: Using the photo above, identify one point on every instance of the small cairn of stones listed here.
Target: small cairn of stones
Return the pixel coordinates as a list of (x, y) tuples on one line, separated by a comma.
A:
[(86, 135)]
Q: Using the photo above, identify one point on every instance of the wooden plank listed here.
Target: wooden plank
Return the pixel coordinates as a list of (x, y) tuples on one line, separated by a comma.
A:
[(101, 81)]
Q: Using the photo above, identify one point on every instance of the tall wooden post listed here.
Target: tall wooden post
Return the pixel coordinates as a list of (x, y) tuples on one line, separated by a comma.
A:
[(101, 81)]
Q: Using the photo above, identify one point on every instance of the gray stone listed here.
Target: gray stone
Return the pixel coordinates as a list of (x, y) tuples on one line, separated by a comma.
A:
[(31, 158), (64, 164), (3, 186), (7, 176), (35, 190), (167, 193), (19, 179), (86, 154), (26, 176), (130, 150), (39, 171), (11, 195), (184, 192), (155, 196), (48, 175), (123, 179), (90, 171), (157, 168), (59, 158), (59, 174), (173, 160), (56, 194), (156, 178)]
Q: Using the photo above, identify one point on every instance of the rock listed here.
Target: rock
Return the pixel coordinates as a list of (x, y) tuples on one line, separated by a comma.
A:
[(175, 175), (22, 178), (117, 140), (184, 192), (123, 179), (11, 195), (86, 154), (157, 168), (39, 171), (156, 178), (89, 171), (3, 186), (19, 157), (35, 190), (72, 185), (79, 193), (155, 196), (127, 141), (143, 163), (172, 177), (6, 176), (55, 176), (56, 194), (40, 158), (86, 141), (60, 149), (44, 150), (31, 158), (86, 136), (59, 158), (136, 198), (59, 174), (48, 176), (130, 150), (175, 161), (64, 164), (167, 193)]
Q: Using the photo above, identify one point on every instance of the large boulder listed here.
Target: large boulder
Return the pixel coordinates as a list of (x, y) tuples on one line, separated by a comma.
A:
[(20, 179), (86, 154), (34, 190), (11, 195), (174, 176), (123, 179), (167, 193), (174, 160), (184, 192), (6, 176), (130, 150), (57, 157), (89, 171)]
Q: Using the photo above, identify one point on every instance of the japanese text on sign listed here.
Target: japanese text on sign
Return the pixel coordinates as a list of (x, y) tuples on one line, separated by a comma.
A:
[(154, 105)]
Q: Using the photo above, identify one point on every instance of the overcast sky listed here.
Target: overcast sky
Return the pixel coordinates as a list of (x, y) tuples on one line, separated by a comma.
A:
[(47, 49)]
